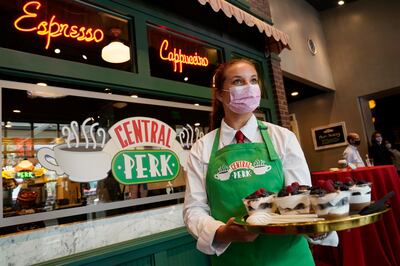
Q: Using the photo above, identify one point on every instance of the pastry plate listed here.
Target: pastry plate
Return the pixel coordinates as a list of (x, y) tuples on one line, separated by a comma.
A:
[(339, 224)]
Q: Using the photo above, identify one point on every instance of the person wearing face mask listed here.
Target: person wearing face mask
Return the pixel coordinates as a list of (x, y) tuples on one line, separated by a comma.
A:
[(395, 155), (213, 198), (351, 153), (378, 152)]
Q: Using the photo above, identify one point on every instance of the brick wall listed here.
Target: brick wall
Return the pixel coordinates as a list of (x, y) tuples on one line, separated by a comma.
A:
[(275, 71), (260, 7)]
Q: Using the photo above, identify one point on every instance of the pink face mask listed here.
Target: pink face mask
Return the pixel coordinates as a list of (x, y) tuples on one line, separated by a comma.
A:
[(244, 99)]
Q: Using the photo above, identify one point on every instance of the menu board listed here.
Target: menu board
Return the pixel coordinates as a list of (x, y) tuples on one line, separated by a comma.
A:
[(329, 136)]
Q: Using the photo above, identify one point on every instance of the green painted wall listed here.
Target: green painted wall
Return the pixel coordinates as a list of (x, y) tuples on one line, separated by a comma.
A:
[(175, 247)]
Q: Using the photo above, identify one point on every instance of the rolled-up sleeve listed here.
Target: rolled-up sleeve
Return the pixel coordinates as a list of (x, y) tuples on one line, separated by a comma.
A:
[(294, 163), (196, 212)]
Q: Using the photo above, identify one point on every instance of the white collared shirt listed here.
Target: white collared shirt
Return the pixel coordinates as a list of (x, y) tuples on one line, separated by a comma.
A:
[(196, 212), (352, 156)]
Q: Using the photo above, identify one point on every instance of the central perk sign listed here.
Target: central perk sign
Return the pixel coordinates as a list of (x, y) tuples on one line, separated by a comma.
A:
[(144, 166), (134, 162), (140, 150)]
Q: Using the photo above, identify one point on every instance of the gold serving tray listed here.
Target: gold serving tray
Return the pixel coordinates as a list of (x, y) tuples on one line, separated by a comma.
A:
[(339, 224)]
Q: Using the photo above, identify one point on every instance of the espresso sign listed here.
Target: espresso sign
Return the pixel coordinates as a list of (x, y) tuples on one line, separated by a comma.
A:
[(63, 29), (53, 28), (329, 136)]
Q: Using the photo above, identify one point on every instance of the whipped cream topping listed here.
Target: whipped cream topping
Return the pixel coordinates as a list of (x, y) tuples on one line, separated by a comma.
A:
[(365, 194), (330, 201), (290, 202), (253, 205)]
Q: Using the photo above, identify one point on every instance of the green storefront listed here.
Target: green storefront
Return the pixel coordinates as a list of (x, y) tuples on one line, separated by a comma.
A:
[(105, 61)]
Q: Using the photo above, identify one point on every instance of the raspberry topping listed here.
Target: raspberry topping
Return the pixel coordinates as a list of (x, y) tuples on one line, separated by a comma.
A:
[(259, 193)]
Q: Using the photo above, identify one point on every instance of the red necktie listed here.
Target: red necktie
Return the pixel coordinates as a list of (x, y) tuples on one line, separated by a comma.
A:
[(239, 137)]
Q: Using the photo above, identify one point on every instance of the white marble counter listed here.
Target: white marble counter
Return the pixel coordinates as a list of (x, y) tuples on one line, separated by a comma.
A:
[(40, 245)]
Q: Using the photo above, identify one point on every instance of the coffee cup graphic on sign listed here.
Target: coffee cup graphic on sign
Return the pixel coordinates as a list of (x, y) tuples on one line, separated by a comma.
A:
[(82, 162)]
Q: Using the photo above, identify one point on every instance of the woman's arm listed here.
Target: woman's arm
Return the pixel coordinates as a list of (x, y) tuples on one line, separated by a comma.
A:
[(196, 212), (213, 236), (294, 163)]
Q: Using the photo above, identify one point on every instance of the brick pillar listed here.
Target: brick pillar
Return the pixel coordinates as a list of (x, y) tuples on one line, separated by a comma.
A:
[(274, 64)]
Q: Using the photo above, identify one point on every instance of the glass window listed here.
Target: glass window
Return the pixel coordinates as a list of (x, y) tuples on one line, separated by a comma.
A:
[(69, 30), (178, 57), (32, 186)]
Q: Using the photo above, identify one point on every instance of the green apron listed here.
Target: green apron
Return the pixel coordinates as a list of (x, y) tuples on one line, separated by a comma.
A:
[(236, 171)]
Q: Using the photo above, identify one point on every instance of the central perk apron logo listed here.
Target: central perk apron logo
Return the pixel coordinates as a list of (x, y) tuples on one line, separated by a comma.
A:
[(242, 169)]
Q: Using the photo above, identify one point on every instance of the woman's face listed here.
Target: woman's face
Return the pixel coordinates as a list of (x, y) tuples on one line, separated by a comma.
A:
[(238, 74)]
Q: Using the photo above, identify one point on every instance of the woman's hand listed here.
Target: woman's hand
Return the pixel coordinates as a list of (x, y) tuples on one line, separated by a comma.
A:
[(233, 233)]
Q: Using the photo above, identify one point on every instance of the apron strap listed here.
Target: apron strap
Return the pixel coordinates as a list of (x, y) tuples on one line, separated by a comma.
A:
[(267, 140), (215, 145)]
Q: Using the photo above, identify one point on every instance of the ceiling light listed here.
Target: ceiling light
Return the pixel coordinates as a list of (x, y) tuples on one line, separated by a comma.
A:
[(84, 57), (340, 3), (134, 96), (57, 51), (196, 124), (371, 104), (16, 111), (295, 93), (41, 84), (116, 52), (196, 104), (119, 105), (44, 94)]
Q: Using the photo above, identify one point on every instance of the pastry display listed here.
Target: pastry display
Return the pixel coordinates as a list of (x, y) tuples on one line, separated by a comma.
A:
[(24, 165), (26, 198), (329, 202), (260, 200), (292, 200)]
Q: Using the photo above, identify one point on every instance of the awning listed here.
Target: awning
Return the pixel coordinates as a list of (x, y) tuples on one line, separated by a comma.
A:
[(250, 20)]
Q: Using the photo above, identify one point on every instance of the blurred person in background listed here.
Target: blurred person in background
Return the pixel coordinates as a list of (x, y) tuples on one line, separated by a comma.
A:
[(378, 152), (395, 155), (351, 153)]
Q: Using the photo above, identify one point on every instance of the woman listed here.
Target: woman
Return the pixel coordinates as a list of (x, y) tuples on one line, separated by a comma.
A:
[(212, 201), (378, 152)]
